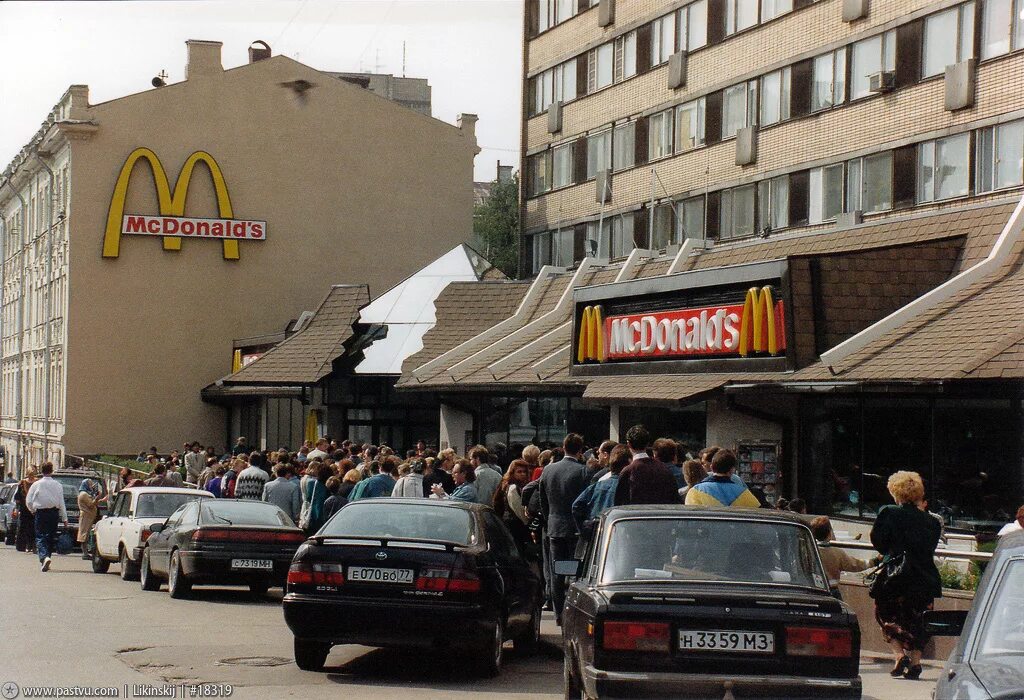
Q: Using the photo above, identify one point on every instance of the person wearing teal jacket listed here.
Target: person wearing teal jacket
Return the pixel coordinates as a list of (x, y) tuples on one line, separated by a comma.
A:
[(378, 486)]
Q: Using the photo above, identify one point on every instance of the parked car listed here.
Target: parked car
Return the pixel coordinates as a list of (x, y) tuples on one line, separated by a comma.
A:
[(988, 661), (222, 541), (121, 535), (676, 601), (8, 522), (71, 479), (412, 573)]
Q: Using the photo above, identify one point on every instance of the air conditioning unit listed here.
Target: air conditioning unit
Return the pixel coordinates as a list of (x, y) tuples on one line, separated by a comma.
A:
[(883, 81), (603, 186), (677, 70), (555, 117), (606, 13)]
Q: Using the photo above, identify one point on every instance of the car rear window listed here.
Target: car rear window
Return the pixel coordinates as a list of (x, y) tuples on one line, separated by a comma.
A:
[(244, 513), (160, 505), (693, 549), (407, 520), (1003, 634)]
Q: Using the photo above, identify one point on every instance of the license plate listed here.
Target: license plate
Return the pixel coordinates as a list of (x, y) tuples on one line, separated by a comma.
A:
[(373, 574), (264, 564), (727, 640)]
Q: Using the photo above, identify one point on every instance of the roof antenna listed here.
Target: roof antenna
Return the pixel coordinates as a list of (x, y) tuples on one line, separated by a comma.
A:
[(403, 59)]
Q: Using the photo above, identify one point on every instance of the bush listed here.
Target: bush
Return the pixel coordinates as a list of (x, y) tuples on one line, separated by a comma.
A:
[(957, 580), (124, 462)]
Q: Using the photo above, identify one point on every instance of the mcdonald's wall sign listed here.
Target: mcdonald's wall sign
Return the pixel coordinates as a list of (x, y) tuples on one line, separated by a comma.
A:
[(171, 225)]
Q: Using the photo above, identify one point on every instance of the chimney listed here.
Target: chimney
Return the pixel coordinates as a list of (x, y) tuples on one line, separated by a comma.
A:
[(203, 58), (467, 124), (79, 104), (258, 50)]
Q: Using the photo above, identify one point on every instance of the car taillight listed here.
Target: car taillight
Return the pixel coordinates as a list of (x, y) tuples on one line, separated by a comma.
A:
[(432, 580), (636, 636), (225, 535), (144, 535), (819, 641), (303, 574), (459, 581)]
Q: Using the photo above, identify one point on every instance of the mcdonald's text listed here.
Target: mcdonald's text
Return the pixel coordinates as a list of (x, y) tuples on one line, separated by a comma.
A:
[(136, 224)]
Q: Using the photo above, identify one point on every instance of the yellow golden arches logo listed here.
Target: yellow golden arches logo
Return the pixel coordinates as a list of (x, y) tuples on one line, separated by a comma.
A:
[(172, 207), (757, 326), (591, 339)]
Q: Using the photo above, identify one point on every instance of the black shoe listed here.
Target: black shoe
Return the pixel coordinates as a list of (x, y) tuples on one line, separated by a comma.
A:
[(901, 667), (913, 673)]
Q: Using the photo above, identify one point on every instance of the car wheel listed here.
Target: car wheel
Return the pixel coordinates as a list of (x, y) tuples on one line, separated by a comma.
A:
[(147, 578), (311, 655), (129, 572), (529, 639), (99, 564), (492, 657), (178, 584), (259, 588)]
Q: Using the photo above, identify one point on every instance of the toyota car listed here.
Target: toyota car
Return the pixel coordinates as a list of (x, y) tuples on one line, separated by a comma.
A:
[(674, 601)]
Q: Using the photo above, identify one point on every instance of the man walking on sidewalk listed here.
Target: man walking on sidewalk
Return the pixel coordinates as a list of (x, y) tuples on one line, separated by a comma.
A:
[(46, 501)]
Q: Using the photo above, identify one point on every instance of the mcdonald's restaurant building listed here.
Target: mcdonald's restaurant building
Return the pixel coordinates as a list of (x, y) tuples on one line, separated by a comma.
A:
[(828, 360), (140, 236)]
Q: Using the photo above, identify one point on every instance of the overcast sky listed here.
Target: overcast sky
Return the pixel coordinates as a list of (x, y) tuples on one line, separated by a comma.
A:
[(469, 50)]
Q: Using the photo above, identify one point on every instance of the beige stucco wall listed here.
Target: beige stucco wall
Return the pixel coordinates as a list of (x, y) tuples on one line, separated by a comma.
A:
[(354, 189)]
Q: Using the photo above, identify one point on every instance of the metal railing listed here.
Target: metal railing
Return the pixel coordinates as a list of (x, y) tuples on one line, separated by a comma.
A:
[(941, 552)]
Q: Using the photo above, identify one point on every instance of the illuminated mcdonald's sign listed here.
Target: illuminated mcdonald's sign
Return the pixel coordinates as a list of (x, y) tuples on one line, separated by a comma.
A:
[(171, 225), (758, 331)]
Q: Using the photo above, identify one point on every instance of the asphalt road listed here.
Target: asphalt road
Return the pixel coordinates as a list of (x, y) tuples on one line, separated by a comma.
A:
[(70, 627)]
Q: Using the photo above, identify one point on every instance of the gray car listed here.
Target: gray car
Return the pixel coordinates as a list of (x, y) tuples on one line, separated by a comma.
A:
[(988, 662), (7, 523)]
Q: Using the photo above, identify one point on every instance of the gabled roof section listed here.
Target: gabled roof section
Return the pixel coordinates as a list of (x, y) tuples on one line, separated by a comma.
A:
[(307, 356)]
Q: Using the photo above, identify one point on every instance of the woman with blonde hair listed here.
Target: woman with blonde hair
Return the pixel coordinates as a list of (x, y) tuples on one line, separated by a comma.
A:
[(906, 535), (531, 455)]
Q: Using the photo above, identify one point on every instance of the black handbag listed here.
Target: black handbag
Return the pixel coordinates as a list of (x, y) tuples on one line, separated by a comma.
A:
[(881, 578)]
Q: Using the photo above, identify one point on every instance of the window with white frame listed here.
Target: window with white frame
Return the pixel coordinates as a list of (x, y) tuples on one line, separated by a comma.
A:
[(739, 108), (690, 218), (659, 135), (562, 247), (615, 236), (1002, 27), (948, 39), (825, 193), (775, 93), (663, 39), (740, 15), (561, 165), (663, 227), (770, 9), (538, 166), (625, 57), (999, 157), (553, 85), (689, 125), (942, 168), (828, 82), (869, 183), (600, 67), (693, 26), (599, 153), (868, 57), (624, 146), (552, 12), (541, 250), (773, 203), (737, 212)]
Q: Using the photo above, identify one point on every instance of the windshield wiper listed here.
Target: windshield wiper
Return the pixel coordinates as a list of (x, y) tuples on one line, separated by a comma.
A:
[(221, 518)]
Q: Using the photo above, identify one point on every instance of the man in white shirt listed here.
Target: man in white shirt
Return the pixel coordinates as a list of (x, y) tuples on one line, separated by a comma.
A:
[(320, 451), (45, 499), (1016, 526)]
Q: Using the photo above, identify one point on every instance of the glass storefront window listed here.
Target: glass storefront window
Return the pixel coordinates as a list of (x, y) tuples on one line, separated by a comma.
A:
[(687, 424)]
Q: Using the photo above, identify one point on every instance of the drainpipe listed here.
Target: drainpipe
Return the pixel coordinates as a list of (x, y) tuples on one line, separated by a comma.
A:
[(20, 325), (47, 302)]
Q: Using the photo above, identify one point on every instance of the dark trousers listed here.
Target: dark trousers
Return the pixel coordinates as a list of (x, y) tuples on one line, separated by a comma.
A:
[(46, 531), (26, 531), (561, 548)]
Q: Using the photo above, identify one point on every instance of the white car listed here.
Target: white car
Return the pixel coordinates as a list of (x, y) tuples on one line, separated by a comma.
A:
[(120, 536)]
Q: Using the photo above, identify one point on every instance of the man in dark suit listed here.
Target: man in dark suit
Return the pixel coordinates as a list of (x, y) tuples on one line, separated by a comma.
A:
[(560, 484), (644, 480)]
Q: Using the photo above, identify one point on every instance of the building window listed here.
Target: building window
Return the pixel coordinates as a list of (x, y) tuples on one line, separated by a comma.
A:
[(689, 125), (739, 108), (552, 12), (773, 203), (829, 80), (693, 26), (624, 149), (869, 183), (871, 56), (770, 9), (942, 168), (659, 142), (562, 247), (737, 215), (690, 218), (663, 39), (538, 166), (599, 153), (740, 15), (554, 85), (561, 165), (948, 39), (625, 56), (615, 238), (663, 227), (541, 250), (1000, 157), (825, 193), (1002, 27), (600, 67), (775, 92)]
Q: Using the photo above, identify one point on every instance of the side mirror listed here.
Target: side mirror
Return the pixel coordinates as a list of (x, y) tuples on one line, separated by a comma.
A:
[(569, 567), (945, 623), (156, 527)]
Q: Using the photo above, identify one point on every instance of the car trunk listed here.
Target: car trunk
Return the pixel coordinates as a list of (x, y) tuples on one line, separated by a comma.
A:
[(254, 542)]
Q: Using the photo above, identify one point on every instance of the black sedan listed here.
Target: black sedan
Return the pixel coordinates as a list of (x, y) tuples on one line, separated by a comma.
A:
[(674, 601), (390, 572), (988, 662), (220, 541)]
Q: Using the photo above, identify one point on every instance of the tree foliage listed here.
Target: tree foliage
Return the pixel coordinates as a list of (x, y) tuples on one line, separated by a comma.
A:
[(496, 226)]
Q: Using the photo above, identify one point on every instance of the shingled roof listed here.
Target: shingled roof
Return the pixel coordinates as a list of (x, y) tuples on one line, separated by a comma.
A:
[(307, 356)]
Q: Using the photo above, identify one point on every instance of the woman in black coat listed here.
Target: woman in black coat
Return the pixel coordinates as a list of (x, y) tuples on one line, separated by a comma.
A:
[(907, 528)]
